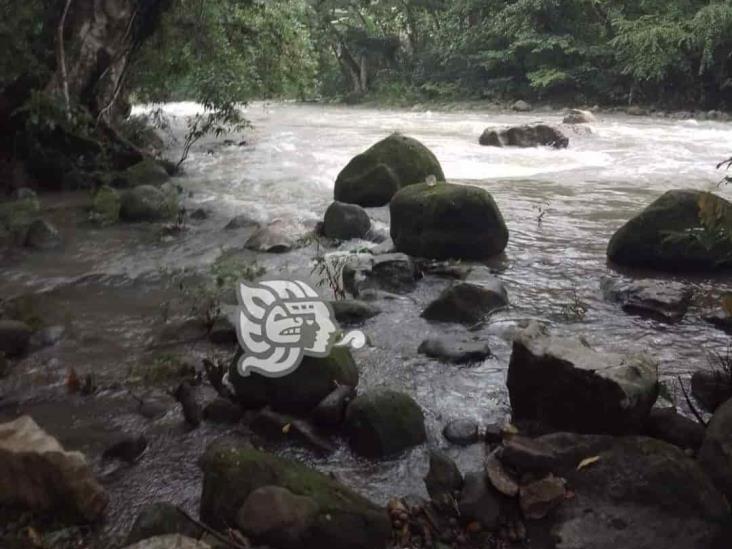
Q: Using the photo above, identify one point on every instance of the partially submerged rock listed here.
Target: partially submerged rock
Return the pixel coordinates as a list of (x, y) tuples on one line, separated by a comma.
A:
[(521, 106), (16, 216), (233, 471), (662, 300), (462, 432), (538, 135), (467, 303), (673, 234), (106, 206), (565, 384), (346, 221), (577, 116), (353, 311), (36, 473), (14, 337), (275, 238), (395, 273), (146, 172), (451, 349), (382, 423), (446, 221), (42, 235), (444, 480), (148, 203), (374, 176)]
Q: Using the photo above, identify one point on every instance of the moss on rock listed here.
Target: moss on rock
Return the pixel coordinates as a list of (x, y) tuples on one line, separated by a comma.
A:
[(106, 206), (148, 203), (445, 221), (374, 176)]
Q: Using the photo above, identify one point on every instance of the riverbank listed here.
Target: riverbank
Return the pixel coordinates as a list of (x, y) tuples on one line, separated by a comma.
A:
[(115, 288)]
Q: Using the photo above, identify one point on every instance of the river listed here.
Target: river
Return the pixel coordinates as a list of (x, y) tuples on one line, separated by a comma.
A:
[(561, 207)]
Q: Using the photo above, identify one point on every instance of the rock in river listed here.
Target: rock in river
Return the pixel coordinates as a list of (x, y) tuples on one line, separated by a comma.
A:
[(36, 473), (671, 234), (711, 388), (383, 423), (148, 203), (577, 116), (346, 221), (662, 300), (14, 337), (395, 273), (565, 384), (374, 176), (462, 432), (467, 303), (233, 470), (715, 455), (446, 221), (538, 135), (275, 238), (449, 349)]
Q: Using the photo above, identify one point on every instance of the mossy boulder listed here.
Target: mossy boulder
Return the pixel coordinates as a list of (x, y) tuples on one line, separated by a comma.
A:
[(383, 423), (346, 221), (537, 135), (374, 176), (146, 172), (681, 230), (445, 221), (232, 471), (106, 206), (300, 391), (17, 215), (148, 203)]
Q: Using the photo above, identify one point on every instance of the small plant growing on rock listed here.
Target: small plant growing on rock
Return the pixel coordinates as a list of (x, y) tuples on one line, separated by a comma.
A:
[(575, 309), (721, 363)]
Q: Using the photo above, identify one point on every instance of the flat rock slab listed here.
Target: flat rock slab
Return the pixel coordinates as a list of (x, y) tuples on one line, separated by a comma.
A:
[(565, 384), (662, 300), (453, 350)]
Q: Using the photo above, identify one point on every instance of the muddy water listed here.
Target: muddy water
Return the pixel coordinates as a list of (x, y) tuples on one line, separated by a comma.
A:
[(111, 287)]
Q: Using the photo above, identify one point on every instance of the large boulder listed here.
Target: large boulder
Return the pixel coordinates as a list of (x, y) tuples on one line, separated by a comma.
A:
[(232, 471), (146, 172), (374, 176), (106, 206), (467, 303), (676, 232), (148, 203), (346, 221), (565, 384), (538, 135), (301, 390), (444, 221), (577, 116), (715, 455), (36, 473), (639, 493), (383, 423), (42, 235)]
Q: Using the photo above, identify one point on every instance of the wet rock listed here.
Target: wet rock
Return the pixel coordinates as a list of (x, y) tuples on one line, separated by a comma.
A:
[(127, 448), (577, 116), (462, 432), (275, 516), (382, 423), (185, 395), (664, 301), (199, 214), (467, 303), (641, 493), (711, 388), (636, 110), (521, 106), (479, 502), (446, 221), (539, 135), (444, 480), (529, 455), (565, 384), (499, 477), (277, 427), (170, 541), (233, 470), (374, 176), (494, 433), (715, 455), (664, 236), (721, 319), (353, 311), (668, 425), (223, 331), (47, 337), (148, 203), (17, 215), (36, 473), (331, 412), (222, 410), (160, 519), (275, 238), (42, 235), (449, 349), (241, 221), (346, 221), (14, 337), (145, 173), (388, 272), (539, 498), (300, 391), (106, 206)]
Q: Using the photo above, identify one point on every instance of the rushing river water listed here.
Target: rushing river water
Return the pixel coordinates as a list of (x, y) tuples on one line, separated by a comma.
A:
[(561, 208)]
